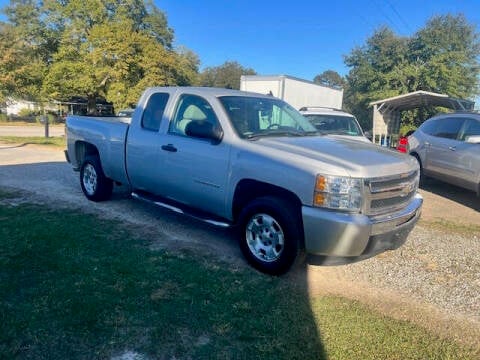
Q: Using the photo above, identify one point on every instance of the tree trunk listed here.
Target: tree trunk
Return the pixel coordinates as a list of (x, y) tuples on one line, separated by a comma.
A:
[(92, 104)]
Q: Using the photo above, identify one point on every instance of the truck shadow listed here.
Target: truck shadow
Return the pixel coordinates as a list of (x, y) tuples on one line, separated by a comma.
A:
[(294, 325), (459, 195)]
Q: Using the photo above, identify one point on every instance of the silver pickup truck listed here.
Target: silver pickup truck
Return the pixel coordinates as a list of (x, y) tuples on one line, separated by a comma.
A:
[(251, 161)]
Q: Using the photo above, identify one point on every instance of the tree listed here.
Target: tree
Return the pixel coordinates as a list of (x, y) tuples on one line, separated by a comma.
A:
[(102, 48), (441, 57), (26, 45), (224, 76), (446, 56), (330, 78), (375, 72)]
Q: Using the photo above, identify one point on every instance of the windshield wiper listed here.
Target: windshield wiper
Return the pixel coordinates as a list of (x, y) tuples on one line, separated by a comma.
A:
[(344, 132), (267, 133)]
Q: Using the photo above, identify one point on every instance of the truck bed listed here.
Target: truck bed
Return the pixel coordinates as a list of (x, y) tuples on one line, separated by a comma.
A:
[(107, 134)]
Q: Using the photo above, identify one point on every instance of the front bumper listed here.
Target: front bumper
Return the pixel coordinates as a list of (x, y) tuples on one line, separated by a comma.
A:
[(335, 234)]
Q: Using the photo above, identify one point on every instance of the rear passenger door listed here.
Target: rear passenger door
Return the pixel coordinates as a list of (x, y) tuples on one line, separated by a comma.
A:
[(467, 156), (440, 149), (144, 166)]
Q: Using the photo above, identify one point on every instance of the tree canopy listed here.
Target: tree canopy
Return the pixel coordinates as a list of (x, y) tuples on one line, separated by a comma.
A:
[(330, 78), (59, 49), (441, 57), (226, 75)]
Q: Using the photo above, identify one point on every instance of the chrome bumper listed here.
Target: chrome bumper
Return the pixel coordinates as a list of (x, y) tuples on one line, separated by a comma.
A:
[(335, 234)]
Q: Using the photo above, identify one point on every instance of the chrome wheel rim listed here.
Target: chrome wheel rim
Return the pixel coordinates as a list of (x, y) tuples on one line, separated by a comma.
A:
[(89, 179), (265, 237)]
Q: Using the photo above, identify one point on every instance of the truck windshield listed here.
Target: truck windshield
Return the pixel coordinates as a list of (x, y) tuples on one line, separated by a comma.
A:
[(335, 124), (258, 116)]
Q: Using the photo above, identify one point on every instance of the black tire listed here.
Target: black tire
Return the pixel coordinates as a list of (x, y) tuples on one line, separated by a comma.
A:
[(95, 185), (270, 234)]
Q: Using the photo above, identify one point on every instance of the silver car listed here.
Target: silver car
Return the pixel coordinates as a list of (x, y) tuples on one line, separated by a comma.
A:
[(330, 121), (448, 148)]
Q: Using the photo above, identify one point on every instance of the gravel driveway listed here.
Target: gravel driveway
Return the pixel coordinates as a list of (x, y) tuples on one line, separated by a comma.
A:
[(433, 280)]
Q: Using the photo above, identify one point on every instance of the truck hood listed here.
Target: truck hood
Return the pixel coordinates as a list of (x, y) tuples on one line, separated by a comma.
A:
[(356, 158)]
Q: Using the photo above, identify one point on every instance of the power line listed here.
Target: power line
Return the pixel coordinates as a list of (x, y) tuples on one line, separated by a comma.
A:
[(399, 16)]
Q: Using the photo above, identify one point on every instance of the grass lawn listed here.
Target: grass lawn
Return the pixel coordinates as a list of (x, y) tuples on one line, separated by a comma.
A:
[(57, 141), (75, 286)]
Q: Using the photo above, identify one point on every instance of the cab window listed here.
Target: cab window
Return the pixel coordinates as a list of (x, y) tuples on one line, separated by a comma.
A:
[(192, 110), (153, 113)]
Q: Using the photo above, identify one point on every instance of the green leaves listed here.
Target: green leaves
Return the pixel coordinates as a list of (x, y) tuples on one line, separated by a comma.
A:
[(330, 78), (442, 57), (58, 49), (226, 75)]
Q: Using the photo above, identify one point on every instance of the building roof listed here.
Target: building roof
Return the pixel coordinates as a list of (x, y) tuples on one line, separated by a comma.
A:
[(423, 98)]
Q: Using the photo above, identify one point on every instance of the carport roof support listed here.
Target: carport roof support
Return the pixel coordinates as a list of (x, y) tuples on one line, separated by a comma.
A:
[(423, 98), (386, 112)]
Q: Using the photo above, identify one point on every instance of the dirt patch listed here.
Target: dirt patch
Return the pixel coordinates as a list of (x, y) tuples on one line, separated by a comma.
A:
[(329, 281), (444, 202)]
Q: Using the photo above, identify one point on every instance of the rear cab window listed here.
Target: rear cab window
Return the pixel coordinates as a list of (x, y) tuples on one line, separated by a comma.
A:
[(153, 113)]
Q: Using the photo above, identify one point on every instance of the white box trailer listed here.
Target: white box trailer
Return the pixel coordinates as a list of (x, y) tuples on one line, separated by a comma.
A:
[(297, 92)]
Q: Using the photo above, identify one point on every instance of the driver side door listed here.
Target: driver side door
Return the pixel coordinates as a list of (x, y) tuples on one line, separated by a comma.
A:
[(196, 168)]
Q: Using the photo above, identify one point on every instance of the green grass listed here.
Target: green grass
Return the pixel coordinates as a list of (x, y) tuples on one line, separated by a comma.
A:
[(451, 227), (74, 286), (38, 140)]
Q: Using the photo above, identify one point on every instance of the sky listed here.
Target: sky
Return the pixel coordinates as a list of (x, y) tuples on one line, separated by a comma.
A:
[(299, 38)]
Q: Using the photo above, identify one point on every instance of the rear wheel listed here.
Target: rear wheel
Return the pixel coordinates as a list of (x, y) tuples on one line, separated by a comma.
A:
[(270, 233), (95, 185)]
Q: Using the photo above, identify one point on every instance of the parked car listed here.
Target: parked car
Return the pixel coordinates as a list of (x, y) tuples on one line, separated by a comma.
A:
[(251, 161), (447, 148), (330, 121), (402, 145), (126, 112)]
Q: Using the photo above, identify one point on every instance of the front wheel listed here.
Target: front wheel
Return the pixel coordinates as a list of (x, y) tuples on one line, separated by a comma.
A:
[(95, 185), (269, 234)]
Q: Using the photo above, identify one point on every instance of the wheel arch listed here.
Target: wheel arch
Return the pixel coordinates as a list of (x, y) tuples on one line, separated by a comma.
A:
[(84, 149), (417, 156), (249, 189)]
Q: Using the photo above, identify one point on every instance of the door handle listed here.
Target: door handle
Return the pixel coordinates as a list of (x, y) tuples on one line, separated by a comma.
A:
[(453, 148), (169, 147), (427, 143)]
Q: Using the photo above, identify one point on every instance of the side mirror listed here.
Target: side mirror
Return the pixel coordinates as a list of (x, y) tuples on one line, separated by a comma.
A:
[(203, 129), (473, 139)]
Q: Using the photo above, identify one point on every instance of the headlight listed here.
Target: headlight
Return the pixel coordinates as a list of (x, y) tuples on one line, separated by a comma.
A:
[(338, 192)]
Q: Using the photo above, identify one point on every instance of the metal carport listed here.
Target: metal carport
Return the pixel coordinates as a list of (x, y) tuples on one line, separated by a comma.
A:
[(386, 112)]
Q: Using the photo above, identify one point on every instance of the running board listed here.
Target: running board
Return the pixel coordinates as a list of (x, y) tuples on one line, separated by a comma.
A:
[(176, 208)]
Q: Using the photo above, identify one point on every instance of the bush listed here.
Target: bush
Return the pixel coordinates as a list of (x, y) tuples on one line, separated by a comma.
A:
[(53, 119), (406, 128), (26, 112)]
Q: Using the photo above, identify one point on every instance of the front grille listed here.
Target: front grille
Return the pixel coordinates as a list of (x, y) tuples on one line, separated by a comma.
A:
[(388, 194)]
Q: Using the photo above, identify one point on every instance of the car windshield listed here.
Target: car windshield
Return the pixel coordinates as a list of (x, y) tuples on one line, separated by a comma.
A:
[(335, 124), (254, 117)]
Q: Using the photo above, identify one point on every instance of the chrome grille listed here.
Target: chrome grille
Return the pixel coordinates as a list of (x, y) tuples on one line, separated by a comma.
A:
[(388, 194)]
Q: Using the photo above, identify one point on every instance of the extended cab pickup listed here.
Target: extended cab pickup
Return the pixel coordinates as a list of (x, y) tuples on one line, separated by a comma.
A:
[(236, 158)]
